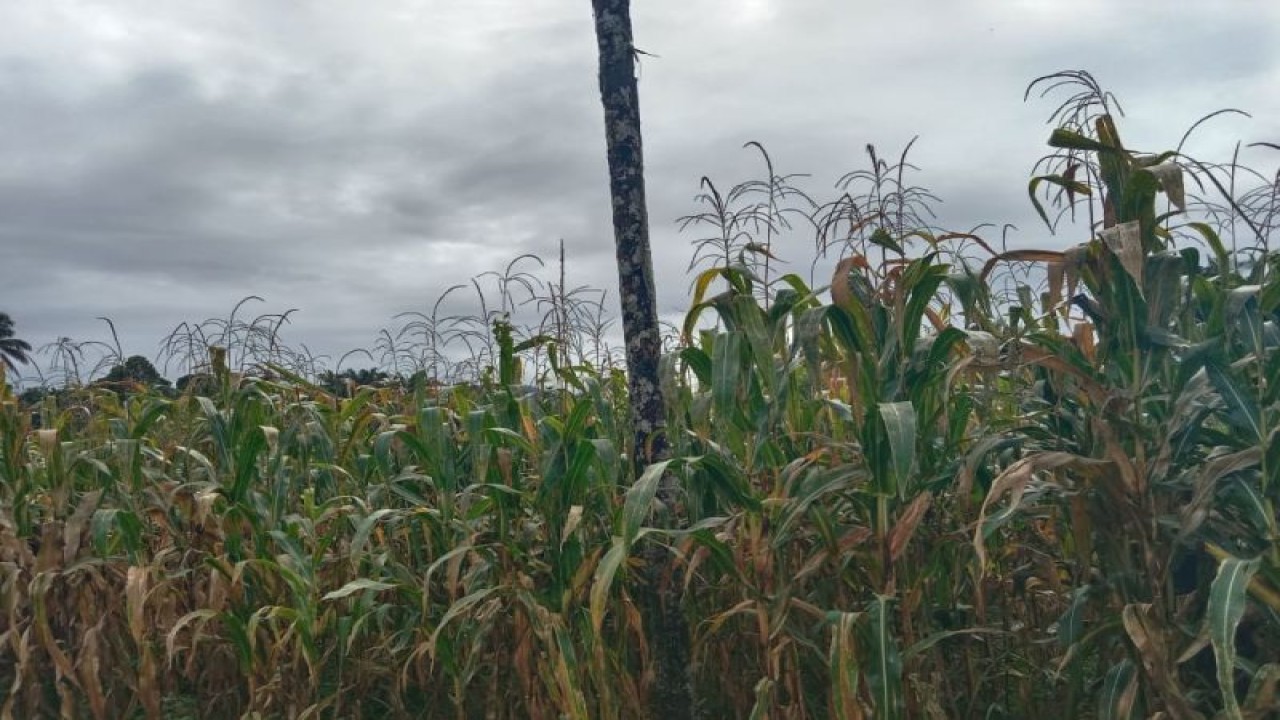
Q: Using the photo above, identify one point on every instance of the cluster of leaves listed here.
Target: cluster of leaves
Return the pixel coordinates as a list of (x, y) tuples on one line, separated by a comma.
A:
[(914, 498), (13, 350)]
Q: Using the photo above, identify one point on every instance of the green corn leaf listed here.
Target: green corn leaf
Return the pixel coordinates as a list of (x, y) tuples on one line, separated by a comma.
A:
[(154, 409), (848, 330), (506, 436), (1271, 479), (577, 474), (699, 362), (1119, 690), (602, 581), (1214, 241), (639, 500), (1162, 286), (805, 297), (578, 418), (884, 667), (1071, 186), (126, 522), (1242, 304), (1072, 140), (726, 374), (1137, 202), (759, 338), (816, 486), (608, 465), (808, 338), (461, 607), (720, 556), (974, 296), (1227, 600), (533, 342), (1251, 503), (1269, 299), (445, 558), (1071, 624), (363, 529), (199, 617), (929, 642), (1242, 408), (725, 481), (356, 586), (900, 423), (921, 280), (942, 347), (882, 238)]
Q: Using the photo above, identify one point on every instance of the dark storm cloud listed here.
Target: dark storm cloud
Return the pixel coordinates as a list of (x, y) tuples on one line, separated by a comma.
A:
[(160, 162)]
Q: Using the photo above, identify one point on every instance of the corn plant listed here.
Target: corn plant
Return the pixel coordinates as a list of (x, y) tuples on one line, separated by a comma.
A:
[(1156, 444), (931, 489)]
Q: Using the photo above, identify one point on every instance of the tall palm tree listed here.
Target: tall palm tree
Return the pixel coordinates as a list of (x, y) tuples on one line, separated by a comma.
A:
[(662, 593), (12, 349)]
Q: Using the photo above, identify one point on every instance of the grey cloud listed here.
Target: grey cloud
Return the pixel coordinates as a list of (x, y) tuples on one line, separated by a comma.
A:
[(158, 164)]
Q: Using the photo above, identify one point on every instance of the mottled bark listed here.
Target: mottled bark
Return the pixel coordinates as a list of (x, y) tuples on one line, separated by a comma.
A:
[(661, 595), (619, 95)]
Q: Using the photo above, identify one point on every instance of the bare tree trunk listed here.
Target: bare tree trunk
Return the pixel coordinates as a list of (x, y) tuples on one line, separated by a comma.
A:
[(621, 101), (668, 632)]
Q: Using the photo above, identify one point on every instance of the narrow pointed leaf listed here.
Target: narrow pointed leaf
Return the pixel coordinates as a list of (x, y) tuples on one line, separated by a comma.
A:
[(1242, 408), (900, 423), (603, 580), (884, 670), (639, 500), (1119, 690), (356, 586), (1227, 599)]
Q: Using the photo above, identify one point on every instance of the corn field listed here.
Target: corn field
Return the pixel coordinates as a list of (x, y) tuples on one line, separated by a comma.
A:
[(958, 481)]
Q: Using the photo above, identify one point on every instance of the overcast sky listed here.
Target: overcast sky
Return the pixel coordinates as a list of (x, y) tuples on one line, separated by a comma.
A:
[(160, 161)]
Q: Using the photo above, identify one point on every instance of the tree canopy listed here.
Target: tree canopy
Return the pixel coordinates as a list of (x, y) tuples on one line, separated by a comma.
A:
[(13, 350), (135, 369)]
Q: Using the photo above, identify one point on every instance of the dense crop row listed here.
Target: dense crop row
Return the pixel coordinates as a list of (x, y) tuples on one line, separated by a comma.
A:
[(907, 498)]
